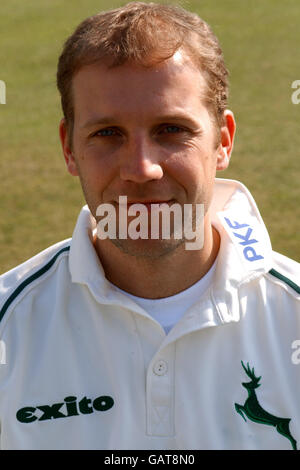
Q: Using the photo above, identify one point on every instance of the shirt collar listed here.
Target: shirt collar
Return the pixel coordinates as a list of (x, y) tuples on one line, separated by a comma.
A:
[(85, 266)]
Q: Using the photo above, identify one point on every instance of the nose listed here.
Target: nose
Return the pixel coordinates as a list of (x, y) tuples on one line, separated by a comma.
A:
[(140, 161)]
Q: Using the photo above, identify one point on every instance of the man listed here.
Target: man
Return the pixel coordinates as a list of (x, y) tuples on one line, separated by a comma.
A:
[(141, 343)]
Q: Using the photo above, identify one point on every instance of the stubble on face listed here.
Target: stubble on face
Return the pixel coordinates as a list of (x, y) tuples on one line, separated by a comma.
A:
[(170, 231), (150, 251)]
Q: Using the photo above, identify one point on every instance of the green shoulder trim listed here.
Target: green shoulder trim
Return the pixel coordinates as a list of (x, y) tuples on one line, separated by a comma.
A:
[(30, 279), (286, 280)]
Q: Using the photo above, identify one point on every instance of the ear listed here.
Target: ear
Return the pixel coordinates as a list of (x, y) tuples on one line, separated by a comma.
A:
[(67, 151), (227, 138)]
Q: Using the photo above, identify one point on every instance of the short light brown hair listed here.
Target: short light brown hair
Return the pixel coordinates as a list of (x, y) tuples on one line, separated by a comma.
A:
[(145, 34)]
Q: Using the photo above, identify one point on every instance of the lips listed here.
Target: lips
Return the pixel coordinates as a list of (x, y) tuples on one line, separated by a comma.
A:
[(148, 203)]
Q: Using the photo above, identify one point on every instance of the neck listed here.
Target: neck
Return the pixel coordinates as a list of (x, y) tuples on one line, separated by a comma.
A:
[(162, 276)]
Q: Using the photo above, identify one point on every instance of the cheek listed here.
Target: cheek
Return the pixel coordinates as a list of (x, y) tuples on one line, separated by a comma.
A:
[(195, 171), (192, 168), (96, 174), (96, 166)]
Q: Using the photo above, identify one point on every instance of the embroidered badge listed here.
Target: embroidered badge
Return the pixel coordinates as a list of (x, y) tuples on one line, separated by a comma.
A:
[(253, 410)]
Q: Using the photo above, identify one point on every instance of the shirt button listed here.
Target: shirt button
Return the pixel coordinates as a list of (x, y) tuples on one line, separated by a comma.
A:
[(160, 367)]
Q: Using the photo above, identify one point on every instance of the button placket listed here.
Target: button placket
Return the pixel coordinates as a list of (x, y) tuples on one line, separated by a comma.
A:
[(160, 394)]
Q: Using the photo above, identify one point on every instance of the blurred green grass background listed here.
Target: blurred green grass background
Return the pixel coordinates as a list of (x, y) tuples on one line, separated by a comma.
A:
[(39, 201)]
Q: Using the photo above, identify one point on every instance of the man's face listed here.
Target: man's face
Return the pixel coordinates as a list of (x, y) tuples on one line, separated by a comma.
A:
[(144, 134)]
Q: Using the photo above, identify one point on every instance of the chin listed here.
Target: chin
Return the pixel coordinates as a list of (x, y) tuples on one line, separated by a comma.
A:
[(148, 249)]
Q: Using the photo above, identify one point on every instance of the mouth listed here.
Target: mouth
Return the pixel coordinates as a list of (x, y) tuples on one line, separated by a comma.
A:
[(125, 202), (150, 204)]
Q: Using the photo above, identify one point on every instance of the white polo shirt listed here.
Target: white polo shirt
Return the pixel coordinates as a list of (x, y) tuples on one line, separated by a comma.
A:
[(168, 311), (83, 366)]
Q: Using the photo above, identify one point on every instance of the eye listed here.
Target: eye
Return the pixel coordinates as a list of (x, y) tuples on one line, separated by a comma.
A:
[(108, 132), (172, 129)]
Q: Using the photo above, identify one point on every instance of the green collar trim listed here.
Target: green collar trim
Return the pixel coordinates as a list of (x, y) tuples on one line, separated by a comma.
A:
[(286, 280), (30, 279)]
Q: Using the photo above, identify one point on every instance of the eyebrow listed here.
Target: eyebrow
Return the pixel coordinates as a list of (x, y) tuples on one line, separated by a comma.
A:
[(98, 120), (164, 118)]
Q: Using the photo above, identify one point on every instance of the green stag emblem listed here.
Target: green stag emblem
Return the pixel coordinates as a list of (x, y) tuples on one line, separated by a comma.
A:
[(256, 413)]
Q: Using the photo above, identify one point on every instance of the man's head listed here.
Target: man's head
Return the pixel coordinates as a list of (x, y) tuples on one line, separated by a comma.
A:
[(144, 34), (149, 129)]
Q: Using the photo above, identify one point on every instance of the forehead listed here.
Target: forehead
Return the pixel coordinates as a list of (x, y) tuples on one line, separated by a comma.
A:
[(130, 89)]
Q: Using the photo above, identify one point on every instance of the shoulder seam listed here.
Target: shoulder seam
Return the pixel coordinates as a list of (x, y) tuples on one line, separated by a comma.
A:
[(285, 279), (29, 280)]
